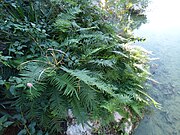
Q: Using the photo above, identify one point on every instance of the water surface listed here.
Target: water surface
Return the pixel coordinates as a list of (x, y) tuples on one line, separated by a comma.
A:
[(163, 39)]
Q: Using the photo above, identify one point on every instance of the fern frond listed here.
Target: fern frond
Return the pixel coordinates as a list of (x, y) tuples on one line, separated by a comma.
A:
[(112, 75), (156, 104), (62, 25), (123, 99), (104, 63), (90, 52), (21, 100), (120, 53), (65, 83), (35, 91), (70, 41), (87, 77), (78, 110), (65, 20), (57, 104), (89, 97), (55, 125), (118, 104), (137, 108), (95, 37), (32, 72)]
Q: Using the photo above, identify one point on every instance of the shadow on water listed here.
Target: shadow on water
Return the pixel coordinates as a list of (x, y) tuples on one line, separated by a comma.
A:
[(163, 39)]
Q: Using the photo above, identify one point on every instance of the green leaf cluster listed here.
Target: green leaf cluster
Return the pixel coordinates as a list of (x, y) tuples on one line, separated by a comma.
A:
[(62, 55)]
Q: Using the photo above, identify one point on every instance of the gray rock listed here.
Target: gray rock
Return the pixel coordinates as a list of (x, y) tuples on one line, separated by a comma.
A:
[(79, 129)]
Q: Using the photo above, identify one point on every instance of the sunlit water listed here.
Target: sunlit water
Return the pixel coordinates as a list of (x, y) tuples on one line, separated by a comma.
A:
[(163, 39)]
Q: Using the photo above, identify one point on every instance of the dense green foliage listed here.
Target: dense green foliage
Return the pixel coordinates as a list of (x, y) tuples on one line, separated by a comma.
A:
[(65, 54)]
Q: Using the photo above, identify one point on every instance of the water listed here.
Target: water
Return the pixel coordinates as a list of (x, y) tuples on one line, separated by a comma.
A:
[(163, 39)]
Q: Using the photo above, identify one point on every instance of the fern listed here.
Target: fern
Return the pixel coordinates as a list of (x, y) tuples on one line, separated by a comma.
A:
[(89, 96), (58, 104), (104, 63), (66, 83), (74, 58), (117, 103), (86, 77), (137, 108), (36, 91), (79, 111), (32, 72), (64, 21)]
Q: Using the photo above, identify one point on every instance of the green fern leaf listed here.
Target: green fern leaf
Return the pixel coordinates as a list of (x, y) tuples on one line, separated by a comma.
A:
[(57, 104), (66, 83), (104, 63), (88, 96), (32, 72), (78, 110), (87, 77), (137, 109), (36, 91)]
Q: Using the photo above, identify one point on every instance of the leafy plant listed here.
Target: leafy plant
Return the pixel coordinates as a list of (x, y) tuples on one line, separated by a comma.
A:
[(66, 55), (4, 123)]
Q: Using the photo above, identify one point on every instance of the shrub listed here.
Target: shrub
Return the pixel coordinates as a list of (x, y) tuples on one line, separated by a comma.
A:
[(62, 55)]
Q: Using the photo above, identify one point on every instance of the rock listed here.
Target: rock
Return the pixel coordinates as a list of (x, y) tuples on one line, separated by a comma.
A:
[(70, 114), (117, 117), (79, 129), (86, 129), (128, 127)]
